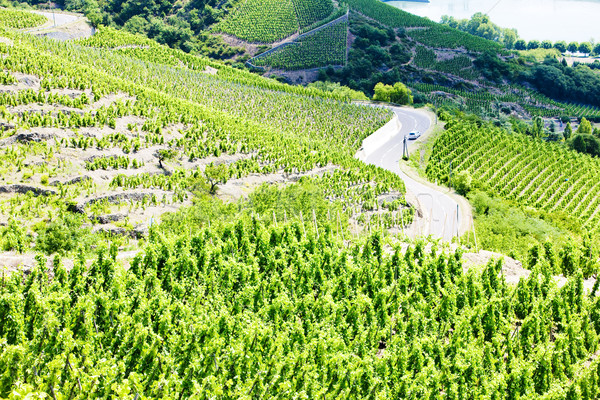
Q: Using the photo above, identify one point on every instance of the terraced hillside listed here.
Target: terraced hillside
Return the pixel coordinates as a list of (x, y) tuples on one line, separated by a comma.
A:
[(503, 99), (422, 32), (113, 132)]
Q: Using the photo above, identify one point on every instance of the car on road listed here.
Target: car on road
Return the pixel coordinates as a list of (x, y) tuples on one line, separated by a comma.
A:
[(414, 135)]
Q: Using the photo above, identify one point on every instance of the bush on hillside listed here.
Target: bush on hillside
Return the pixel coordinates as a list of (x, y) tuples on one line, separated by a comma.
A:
[(398, 93), (463, 183)]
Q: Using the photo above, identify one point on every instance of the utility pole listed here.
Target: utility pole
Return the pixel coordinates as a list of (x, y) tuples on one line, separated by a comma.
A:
[(405, 150), (450, 179)]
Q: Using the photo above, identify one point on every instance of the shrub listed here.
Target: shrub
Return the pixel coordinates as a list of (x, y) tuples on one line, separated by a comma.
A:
[(62, 235), (463, 183)]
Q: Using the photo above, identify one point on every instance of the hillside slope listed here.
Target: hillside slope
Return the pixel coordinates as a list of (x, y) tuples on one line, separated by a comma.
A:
[(126, 130), (296, 291)]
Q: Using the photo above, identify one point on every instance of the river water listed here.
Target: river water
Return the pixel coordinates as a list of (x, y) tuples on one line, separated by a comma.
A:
[(568, 20)]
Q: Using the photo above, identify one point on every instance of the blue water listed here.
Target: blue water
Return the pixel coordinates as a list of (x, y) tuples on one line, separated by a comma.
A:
[(568, 20)]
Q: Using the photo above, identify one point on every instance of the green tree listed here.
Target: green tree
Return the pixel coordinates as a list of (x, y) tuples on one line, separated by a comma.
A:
[(538, 127), (92, 12), (585, 48), (216, 174), (546, 44), (509, 38), (585, 143), (463, 183), (520, 44), (137, 24), (532, 45), (585, 127), (560, 46), (573, 47), (398, 94), (568, 131), (596, 50)]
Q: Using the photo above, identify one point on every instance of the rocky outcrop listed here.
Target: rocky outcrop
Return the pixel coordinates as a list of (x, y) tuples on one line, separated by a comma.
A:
[(107, 219)]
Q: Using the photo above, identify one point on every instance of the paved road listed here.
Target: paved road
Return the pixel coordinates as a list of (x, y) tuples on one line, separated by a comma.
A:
[(56, 19), (440, 211)]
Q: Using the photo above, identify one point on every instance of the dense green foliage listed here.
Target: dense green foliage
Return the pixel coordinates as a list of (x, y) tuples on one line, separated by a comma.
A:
[(246, 309), (181, 26), (511, 229), (336, 88), (578, 84), (480, 25), (434, 34), (323, 48), (397, 93)]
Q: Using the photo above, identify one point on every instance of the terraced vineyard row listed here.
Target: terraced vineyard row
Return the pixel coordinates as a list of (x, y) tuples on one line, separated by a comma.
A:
[(267, 21), (440, 36), (187, 117), (261, 21), (323, 48), (517, 167), (248, 308), (309, 12), (459, 65), (20, 19), (112, 38), (476, 101)]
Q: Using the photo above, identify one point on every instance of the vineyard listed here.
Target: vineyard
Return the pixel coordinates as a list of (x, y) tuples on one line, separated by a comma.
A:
[(517, 167), (248, 310), (20, 19), (483, 102), (103, 127), (312, 11), (325, 47), (460, 65), (267, 21), (107, 37), (202, 232)]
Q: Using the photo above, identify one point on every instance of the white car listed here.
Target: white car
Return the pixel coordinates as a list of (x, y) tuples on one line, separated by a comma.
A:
[(414, 135)]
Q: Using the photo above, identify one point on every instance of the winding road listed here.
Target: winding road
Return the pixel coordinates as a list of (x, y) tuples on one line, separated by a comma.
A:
[(62, 26), (441, 213)]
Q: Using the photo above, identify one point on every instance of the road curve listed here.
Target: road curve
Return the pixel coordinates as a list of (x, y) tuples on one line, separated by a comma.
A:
[(441, 212)]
